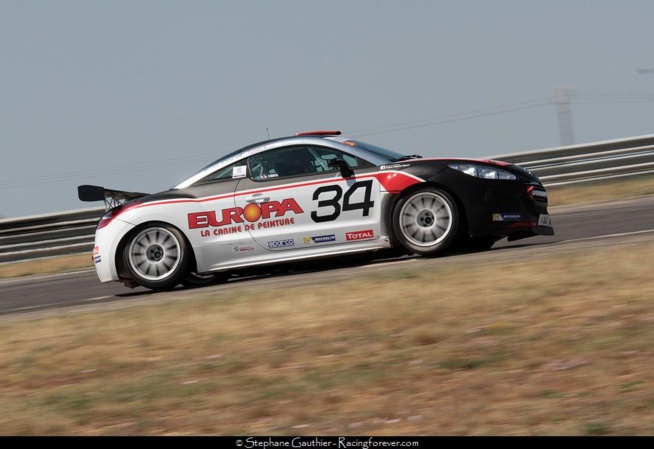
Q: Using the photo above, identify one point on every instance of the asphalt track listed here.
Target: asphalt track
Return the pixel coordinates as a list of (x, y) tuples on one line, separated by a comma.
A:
[(588, 225)]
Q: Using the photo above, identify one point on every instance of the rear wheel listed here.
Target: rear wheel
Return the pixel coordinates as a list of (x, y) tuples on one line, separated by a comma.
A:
[(426, 221), (157, 257), (199, 280)]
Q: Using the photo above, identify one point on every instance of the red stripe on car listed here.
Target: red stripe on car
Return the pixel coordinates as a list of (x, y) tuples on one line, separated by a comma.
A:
[(395, 182)]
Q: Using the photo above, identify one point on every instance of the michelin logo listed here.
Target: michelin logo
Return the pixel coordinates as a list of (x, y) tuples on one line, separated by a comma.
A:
[(507, 217), (323, 238)]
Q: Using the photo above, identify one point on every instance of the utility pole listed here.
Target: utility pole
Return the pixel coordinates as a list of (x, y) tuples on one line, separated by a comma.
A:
[(562, 97)]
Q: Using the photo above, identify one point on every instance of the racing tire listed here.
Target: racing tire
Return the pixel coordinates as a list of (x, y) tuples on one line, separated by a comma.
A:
[(156, 257), (426, 221), (200, 280)]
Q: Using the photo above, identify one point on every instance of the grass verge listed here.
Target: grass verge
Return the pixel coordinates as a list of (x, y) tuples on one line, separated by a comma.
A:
[(50, 265), (560, 345), (599, 191)]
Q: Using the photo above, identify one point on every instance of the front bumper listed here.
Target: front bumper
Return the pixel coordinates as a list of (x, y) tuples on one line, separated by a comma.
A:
[(511, 212)]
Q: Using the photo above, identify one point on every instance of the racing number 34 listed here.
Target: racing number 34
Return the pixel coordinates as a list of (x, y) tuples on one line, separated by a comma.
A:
[(333, 194)]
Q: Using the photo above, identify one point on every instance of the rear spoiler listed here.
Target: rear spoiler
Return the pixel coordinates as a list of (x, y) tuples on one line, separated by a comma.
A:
[(111, 198)]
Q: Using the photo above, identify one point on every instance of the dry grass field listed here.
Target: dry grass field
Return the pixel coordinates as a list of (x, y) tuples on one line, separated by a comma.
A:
[(485, 344)]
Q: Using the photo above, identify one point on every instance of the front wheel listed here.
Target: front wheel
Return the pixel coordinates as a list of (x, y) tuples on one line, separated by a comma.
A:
[(426, 221), (157, 257), (480, 243)]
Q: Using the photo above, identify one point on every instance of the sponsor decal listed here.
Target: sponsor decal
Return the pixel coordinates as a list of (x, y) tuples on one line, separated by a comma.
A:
[(360, 235), (320, 239), (507, 217), (393, 166), (239, 172), (281, 243), (243, 249), (251, 217), (96, 255)]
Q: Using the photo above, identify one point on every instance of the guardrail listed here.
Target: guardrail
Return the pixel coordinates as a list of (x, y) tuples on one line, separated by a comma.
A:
[(73, 232), (588, 162), (48, 235)]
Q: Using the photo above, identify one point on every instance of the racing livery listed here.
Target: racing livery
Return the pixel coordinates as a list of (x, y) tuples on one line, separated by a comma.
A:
[(311, 195)]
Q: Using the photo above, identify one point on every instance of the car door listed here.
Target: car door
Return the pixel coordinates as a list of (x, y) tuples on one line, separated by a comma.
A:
[(215, 225), (294, 199)]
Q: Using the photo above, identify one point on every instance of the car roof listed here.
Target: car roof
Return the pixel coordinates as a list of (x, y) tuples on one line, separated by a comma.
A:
[(329, 138)]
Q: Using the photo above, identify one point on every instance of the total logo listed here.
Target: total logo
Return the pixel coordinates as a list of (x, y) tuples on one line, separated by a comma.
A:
[(360, 235), (281, 243), (251, 213)]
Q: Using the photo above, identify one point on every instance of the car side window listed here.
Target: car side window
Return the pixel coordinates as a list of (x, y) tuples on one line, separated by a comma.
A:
[(326, 155), (261, 168), (233, 171), (300, 160), (283, 162)]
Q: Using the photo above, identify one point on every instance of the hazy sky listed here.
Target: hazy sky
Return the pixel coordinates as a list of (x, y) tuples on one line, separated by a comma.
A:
[(138, 95)]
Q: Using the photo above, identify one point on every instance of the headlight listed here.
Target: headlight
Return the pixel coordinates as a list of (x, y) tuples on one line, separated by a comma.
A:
[(480, 171)]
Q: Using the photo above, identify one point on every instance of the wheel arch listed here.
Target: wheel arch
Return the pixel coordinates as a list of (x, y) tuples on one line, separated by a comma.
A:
[(123, 273), (463, 213)]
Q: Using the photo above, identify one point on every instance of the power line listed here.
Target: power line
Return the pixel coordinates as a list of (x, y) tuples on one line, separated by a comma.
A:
[(451, 118), (385, 129), (131, 168), (82, 174), (613, 99)]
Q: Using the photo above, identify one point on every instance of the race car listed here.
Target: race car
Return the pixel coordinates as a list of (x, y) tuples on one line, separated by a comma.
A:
[(309, 196)]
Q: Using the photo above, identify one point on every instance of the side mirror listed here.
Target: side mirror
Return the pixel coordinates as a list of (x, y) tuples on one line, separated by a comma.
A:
[(342, 166)]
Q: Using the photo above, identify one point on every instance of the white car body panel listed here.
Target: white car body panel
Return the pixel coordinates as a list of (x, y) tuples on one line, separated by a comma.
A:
[(238, 241), (106, 246)]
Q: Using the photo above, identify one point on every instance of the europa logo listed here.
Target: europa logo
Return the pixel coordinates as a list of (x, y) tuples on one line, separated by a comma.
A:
[(251, 213)]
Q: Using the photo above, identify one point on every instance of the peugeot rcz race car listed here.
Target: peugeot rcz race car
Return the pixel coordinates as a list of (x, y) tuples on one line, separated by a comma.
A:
[(308, 196)]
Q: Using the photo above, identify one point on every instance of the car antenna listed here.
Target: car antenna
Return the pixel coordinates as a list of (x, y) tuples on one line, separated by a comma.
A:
[(268, 132)]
